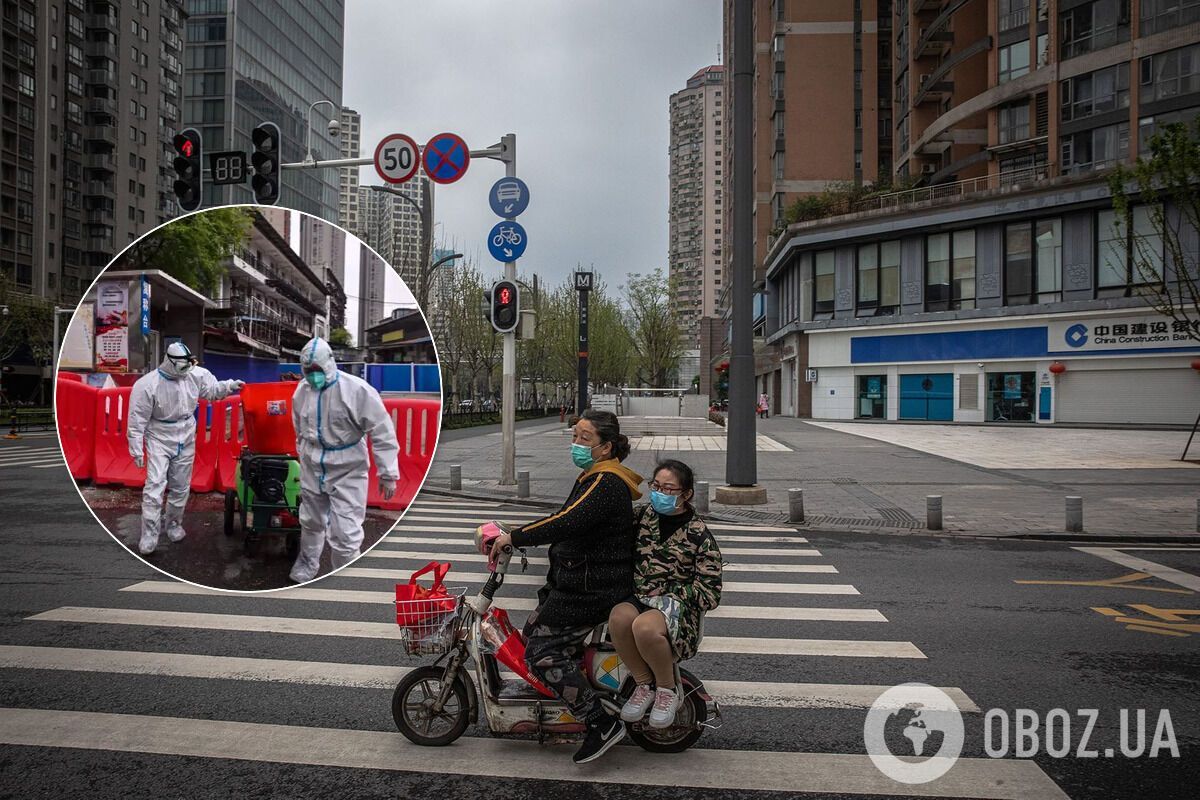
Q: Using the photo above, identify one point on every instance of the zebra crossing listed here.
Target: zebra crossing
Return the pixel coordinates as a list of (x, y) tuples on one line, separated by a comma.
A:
[(776, 622), (37, 450)]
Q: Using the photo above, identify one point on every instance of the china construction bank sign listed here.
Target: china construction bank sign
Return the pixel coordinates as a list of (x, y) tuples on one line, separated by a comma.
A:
[(1154, 332)]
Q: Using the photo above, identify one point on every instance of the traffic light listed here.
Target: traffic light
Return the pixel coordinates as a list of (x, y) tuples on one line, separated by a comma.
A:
[(266, 163), (189, 180), (505, 303)]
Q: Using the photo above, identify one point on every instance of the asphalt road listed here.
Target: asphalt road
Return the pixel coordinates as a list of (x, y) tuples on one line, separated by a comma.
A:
[(117, 682)]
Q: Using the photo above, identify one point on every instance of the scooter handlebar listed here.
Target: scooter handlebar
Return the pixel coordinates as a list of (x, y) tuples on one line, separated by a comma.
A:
[(486, 535)]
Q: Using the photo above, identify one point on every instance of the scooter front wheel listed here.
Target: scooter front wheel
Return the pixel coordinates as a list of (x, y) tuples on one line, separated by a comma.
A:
[(412, 708), (679, 736)]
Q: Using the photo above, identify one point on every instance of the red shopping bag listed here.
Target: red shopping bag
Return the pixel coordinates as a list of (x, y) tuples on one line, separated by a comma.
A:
[(416, 606)]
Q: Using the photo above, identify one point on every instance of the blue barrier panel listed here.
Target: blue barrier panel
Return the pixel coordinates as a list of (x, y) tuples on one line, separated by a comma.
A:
[(252, 370), (428, 378)]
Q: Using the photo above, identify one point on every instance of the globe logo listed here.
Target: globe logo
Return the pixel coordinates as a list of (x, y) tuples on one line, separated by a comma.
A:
[(1076, 335), (913, 733)]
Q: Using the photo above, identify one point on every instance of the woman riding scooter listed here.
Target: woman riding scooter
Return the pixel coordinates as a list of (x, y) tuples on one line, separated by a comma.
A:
[(591, 570)]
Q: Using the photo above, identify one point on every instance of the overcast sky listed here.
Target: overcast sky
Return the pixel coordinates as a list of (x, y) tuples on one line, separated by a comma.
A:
[(583, 84)]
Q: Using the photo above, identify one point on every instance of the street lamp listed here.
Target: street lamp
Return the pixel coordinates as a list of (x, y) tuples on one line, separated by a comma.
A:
[(425, 270), (335, 128)]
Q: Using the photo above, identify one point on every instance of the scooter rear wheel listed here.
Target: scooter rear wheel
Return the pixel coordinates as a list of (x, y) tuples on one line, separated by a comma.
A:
[(679, 737), (414, 717)]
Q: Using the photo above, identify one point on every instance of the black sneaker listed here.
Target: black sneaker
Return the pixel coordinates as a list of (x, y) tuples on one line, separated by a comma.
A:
[(600, 738)]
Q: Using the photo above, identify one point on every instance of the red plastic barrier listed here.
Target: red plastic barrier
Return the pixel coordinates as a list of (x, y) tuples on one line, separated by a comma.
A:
[(112, 461), (75, 413), (70, 376), (417, 423), (231, 437), (267, 411), (204, 467)]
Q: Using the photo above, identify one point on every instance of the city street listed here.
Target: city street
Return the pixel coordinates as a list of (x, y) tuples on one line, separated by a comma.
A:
[(128, 684)]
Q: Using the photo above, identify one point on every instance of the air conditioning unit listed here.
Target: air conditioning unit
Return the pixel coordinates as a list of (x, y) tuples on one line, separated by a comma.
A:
[(928, 169)]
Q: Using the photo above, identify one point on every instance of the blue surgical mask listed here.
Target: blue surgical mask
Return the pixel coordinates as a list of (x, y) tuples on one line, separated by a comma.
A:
[(315, 379), (581, 454), (663, 503)]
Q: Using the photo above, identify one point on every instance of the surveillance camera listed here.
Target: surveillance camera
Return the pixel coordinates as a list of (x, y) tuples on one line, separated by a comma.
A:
[(335, 127)]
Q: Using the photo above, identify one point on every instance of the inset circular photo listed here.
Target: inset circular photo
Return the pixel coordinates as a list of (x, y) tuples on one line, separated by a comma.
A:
[(248, 398)]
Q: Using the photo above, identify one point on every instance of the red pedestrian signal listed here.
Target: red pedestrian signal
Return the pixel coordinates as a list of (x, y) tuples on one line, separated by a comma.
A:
[(505, 306), (189, 179)]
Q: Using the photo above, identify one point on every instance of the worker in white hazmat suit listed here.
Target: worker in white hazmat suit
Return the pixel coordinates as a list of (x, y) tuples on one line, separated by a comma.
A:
[(334, 413), (162, 408)]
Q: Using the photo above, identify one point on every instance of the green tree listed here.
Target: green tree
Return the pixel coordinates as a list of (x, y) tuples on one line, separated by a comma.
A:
[(653, 328), (340, 337), (27, 321), (193, 249), (1167, 184)]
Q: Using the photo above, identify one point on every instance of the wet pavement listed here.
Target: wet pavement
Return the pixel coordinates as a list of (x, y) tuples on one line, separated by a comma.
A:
[(207, 556)]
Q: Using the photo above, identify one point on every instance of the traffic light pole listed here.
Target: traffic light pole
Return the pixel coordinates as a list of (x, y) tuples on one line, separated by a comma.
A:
[(508, 407), (506, 151)]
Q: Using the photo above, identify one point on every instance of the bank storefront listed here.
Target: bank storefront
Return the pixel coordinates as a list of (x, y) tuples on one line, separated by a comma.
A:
[(1117, 366)]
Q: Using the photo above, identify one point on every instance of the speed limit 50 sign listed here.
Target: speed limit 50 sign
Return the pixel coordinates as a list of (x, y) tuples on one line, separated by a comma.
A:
[(397, 158)]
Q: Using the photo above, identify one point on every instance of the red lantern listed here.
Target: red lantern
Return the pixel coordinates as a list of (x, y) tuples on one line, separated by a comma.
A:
[(1058, 368), (1196, 364)]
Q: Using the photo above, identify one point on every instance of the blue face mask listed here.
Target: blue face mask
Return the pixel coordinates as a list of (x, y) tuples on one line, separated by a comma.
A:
[(663, 503), (315, 379), (581, 454)]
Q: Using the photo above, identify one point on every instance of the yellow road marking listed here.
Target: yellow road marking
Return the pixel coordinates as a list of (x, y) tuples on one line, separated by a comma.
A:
[(1121, 582)]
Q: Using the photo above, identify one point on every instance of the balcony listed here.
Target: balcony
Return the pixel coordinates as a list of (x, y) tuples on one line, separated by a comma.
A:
[(955, 192), (934, 43), (935, 85), (921, 6), (98, 216), (101, 189), (101, 133), (102, 77), (102, 105), (103, 161), (104, 22), (99, 244), (1015, 19), (103, 49)]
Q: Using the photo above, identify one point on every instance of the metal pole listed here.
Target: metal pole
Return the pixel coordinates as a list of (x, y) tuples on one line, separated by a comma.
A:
[(523, 483), (508, 415), (582, 392), (741, 468)]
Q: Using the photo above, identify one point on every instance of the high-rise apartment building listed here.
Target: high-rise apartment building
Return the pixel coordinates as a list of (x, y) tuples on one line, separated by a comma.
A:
[(394, 228), (351, 140), (696, 195), (90, 101), (259, 61), (323, 248), (372, 306), (1003, 288)]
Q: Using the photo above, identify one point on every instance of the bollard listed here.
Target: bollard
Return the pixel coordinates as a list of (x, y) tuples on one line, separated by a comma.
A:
[(1074, 514), (522, 483), (456, 477), (795, 505), (933, 512), (1198, 515), (701, 498)]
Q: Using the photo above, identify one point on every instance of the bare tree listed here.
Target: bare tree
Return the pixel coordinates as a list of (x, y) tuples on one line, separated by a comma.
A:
[(654, 328), (1165, 186)]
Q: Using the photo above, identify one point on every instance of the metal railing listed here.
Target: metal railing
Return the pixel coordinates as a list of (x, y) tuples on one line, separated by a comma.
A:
[(947, 192)]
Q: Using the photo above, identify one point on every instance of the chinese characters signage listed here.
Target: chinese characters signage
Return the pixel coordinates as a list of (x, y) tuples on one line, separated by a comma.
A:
[(1120, 333), (112, 326)]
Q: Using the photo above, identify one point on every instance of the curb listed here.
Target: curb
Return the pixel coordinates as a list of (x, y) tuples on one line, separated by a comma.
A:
[(1048, 536)]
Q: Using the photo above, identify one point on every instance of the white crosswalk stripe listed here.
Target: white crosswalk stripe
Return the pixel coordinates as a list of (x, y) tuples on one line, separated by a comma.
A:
[(31, 457), (353, 606), (512, 603), (727, 587), (478, 557), (786, 772)]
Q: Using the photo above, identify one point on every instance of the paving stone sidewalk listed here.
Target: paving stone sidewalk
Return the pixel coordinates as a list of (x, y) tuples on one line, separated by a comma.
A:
[(875, 478)]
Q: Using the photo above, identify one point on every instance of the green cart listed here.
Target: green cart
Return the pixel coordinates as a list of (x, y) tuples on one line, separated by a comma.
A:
[(266, 501)]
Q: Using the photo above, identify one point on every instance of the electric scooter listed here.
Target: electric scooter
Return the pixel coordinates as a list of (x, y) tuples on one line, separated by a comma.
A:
[(433, 705)]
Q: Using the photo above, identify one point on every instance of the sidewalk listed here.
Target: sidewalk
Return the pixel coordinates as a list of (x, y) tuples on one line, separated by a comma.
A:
[(872, 477)]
